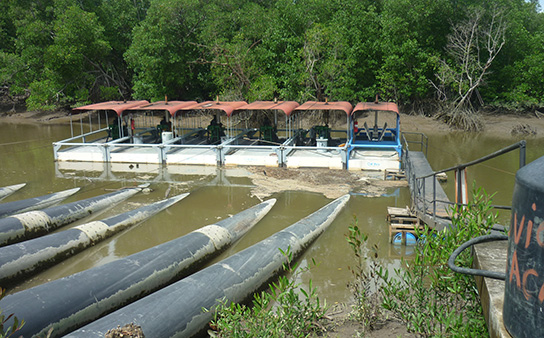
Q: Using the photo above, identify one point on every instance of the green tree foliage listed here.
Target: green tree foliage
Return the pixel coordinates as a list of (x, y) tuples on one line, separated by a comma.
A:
[(234, 56), (413, 37), (163, 48), (59, 52), (73, 61), (22, 61), (119, 19), (515, 80), (356, 78), (62, 54)]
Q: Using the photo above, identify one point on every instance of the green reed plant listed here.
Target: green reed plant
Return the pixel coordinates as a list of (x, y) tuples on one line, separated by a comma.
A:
[(365, 285), (286, 310), (430, 298)]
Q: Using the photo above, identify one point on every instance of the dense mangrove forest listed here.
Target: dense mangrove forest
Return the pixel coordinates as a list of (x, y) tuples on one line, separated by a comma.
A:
[(454, 58)]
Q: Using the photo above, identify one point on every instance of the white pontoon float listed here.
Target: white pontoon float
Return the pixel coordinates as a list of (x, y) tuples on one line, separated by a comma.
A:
[(217, 133), (374, 142), (319, 145), (203, 146), (92, 143), (268, 127)]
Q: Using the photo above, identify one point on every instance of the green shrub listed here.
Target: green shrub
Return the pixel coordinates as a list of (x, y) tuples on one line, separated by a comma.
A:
[(430, 298), (286, 311), (365, 286)]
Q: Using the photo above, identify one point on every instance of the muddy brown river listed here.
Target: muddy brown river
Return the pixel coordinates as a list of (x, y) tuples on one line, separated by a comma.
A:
[(27, 156)]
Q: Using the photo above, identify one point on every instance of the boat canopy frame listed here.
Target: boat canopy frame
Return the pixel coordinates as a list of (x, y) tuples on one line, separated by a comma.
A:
[(187, 131), (377, 136)]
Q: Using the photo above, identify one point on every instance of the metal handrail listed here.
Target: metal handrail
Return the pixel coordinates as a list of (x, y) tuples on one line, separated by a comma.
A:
[(522, 157), (423, 141), (502, 207), (419, 182)]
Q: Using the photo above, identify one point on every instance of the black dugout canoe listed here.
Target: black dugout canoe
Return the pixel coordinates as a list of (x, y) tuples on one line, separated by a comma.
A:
[(71, 302), (35, 203), (176, 310), (36, 223), (20, 260), (10, 189)]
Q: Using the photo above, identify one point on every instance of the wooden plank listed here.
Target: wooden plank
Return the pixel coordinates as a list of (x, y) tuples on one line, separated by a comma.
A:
[(394, 174), (395, 219), (404, 226), (401, 220), (399, 211)]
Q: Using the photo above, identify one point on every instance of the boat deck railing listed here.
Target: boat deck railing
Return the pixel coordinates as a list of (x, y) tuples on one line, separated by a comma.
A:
[(417, 139), (287, 152), (420, 184)]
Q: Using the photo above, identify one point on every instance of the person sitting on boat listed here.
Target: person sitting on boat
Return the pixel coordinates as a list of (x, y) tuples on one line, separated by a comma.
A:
[(268, 131), (215, 131), (113, 129), (164, 125)]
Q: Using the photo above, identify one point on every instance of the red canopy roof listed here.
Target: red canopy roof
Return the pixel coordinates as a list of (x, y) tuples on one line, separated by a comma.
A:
[(315, 105), (117, 106), (286, 106), (380, 106), (226, 106), (171, 106)]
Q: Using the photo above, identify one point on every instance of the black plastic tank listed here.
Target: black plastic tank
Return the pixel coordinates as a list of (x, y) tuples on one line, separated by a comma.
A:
[(523, 311)]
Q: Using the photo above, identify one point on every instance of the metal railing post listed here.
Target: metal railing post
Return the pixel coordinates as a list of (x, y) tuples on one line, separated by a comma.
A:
[(522, 151), (434, 198), (424, 201)]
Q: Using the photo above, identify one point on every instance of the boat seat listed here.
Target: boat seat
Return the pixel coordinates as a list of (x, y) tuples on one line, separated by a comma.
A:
[(383, 132), (368, 132)]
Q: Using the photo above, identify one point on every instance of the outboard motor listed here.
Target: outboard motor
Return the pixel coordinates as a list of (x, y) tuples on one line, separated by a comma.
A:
[(523, 311)]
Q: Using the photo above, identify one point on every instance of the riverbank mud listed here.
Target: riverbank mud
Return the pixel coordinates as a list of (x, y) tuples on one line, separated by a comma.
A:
[(494, 124), (334, 183)]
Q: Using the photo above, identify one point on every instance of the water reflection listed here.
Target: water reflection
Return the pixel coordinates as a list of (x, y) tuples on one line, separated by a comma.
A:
[(27, 156)]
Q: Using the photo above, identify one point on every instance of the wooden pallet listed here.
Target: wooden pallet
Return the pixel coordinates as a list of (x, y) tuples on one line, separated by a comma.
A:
[(402, 220), (394, 174)]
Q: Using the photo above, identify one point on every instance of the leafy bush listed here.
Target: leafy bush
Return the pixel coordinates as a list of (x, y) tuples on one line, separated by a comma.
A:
[(430, 298), (365, 285)]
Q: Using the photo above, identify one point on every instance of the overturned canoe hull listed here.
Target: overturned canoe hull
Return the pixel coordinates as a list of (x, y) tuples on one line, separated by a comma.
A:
[(10, 189), (32, 224), (35, 203), (21, 260), (71, 302), (233, 279)]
